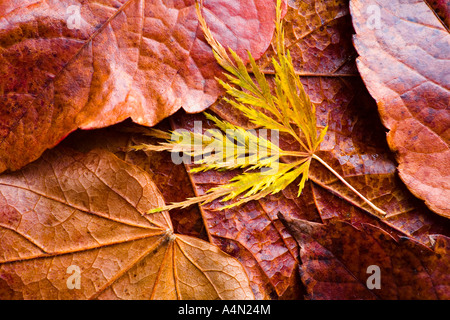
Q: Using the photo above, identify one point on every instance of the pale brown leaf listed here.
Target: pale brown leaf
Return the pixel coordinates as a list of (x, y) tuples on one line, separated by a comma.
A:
[(88, 210)]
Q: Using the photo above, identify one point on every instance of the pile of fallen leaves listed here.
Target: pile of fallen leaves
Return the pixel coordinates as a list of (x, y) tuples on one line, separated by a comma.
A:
[(85, 200)]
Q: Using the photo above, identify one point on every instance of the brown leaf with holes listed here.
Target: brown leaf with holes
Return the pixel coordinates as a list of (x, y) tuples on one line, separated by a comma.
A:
[(69, 64), (71, 211), (339, 261), (408, 77)]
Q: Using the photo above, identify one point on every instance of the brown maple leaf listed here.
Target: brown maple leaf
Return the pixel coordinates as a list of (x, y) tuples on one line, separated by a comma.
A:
[(172, 181), (85, 213)]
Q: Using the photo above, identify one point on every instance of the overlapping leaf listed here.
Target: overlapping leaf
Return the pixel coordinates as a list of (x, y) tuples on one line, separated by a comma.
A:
[(442, 9), (355, 146), (337, 260), (172, 181), (319, 37), (88, 211), (70, 64), (408, 77), (246, 233)]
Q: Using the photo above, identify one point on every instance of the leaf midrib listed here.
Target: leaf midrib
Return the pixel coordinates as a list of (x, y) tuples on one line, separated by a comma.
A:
[(69, 62), (46, 255), (79, 208)]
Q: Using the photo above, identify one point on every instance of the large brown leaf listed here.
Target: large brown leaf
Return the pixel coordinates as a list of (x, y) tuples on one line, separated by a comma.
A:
[(88, 211), (142, 59), (404, 62), (335, 261)]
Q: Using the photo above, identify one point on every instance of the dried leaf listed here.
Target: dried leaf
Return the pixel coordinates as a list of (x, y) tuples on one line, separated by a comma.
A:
[(223, 230), (354, 145), (337, 261), (408, 76), (288, 110), (172, 181), (442, 9), (66, 64), (88, 211), (251, 232)]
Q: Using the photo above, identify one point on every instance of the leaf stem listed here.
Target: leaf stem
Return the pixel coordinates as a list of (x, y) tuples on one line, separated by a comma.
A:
[(374, 207), (294, 153)]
